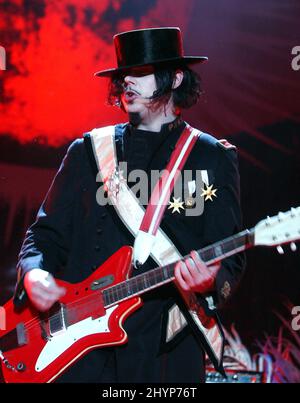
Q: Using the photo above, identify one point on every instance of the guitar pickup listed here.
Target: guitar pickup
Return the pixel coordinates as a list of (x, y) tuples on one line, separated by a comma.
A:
[(57, 319), (21, 334)]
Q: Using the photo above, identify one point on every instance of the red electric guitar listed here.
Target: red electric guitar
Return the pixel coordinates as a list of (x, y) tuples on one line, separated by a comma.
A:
[(38, 347)]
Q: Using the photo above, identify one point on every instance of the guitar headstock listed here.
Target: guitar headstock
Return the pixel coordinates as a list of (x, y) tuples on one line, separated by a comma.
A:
[(280, 229)]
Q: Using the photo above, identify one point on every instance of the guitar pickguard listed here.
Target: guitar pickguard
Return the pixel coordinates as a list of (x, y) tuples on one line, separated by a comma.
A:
[(62, 341)]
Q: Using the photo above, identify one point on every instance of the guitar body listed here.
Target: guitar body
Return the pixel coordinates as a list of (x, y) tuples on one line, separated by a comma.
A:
[(37, 349)]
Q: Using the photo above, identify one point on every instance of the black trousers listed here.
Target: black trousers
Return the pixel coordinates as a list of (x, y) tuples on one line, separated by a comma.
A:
[(117, 365)]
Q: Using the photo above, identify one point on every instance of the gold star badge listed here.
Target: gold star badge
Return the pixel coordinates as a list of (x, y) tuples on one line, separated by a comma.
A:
[(209, 192), (176, 205)]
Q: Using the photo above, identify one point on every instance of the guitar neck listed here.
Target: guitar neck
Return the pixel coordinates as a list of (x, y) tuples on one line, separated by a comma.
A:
[(161, 275)]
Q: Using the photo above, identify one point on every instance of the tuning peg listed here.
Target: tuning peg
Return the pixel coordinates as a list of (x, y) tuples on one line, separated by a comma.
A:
[(293, 247), (280, 250)]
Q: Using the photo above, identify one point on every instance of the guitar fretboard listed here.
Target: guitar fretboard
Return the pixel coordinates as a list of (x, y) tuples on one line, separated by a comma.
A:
[(162, 275)]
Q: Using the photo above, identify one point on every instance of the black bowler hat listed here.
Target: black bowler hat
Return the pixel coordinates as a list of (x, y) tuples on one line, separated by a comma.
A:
[(152, 46)]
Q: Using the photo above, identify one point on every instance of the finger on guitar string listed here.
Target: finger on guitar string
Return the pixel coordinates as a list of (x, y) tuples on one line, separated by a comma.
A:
[(192, 274), (42, 289)]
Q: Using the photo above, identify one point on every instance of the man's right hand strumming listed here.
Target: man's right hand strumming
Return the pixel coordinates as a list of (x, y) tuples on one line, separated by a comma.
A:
[(42, 289)]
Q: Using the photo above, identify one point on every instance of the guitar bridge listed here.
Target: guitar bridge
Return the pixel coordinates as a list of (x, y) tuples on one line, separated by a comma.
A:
[(14, 339)]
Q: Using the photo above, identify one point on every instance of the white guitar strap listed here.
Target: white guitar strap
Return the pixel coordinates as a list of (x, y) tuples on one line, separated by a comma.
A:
[(160, 247)]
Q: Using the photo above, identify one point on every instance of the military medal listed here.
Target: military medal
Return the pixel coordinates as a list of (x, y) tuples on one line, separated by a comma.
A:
[(176, 205), (113, 183), (209, 192), (190, 200)]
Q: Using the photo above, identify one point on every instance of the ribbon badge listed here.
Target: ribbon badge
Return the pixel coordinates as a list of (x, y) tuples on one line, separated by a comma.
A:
[(113, 182)]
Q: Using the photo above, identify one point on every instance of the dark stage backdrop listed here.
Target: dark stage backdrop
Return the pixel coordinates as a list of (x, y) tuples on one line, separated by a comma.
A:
[(48, 97)]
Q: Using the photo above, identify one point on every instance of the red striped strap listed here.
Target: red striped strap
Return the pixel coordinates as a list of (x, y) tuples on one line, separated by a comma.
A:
[(165, 185)]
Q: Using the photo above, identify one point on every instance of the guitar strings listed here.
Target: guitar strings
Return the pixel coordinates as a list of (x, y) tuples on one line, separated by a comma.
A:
[(123, 286), (111, 291), (87, 300)]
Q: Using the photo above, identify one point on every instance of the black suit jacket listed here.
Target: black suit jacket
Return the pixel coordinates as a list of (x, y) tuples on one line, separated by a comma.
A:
[(73, 235)]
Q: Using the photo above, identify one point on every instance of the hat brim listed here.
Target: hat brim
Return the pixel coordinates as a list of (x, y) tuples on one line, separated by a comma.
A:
[(183, 60)]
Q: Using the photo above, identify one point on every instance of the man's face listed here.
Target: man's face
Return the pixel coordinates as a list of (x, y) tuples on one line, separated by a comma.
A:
[(139, 86)]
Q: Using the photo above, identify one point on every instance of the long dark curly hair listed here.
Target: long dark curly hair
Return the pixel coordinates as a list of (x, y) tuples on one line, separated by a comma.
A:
[(184, 96)]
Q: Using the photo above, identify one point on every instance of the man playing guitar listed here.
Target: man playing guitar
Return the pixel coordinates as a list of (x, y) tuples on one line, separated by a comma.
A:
[(74, 234)]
